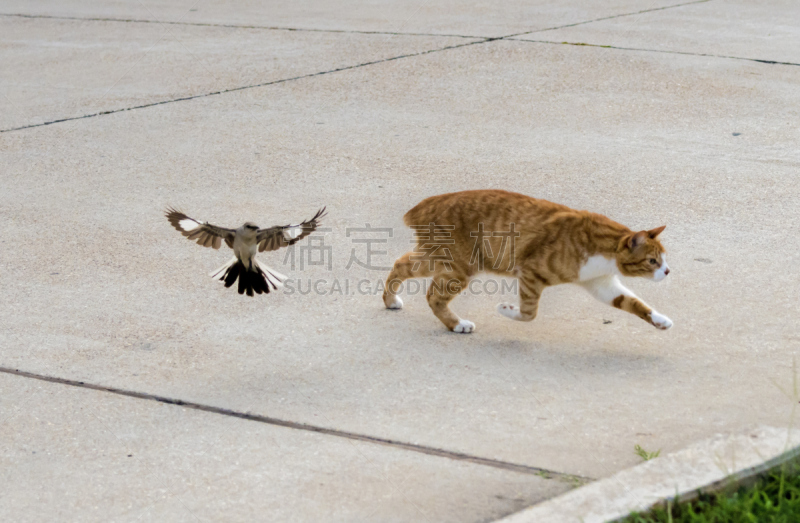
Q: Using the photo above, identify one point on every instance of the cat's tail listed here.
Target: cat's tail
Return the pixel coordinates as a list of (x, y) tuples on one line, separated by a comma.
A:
[(412, 217), (257, 278)]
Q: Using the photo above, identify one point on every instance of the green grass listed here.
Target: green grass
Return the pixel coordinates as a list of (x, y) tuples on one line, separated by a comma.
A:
[(773, 499), (647, 456)]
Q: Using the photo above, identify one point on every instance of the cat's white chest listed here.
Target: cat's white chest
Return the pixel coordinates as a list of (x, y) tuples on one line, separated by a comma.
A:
[(598, 266)]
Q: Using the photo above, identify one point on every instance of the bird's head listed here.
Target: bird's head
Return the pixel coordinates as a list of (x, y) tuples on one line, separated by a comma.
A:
[(250, 228)]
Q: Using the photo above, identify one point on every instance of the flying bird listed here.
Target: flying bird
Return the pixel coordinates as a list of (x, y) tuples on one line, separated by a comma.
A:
[(245, 241)]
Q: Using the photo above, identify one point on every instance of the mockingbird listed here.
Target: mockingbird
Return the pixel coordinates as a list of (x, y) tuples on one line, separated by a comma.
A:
[(245, 242)]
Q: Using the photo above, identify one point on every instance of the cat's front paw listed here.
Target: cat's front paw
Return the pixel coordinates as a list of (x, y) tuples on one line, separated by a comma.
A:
[(660, 321), (464, 327), (508, 310)]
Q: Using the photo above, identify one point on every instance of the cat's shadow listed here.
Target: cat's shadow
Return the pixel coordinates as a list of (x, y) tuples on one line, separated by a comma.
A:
[(595, 357)]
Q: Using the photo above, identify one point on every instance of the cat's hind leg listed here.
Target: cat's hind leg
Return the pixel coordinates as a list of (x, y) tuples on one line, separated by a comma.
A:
[(530, 290), (610, 291), (404, 268), (443, 289)]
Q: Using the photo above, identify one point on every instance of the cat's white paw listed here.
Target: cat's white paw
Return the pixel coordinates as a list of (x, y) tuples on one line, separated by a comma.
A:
[(464, 326), (660, 321), (395, 304), (508, 310)]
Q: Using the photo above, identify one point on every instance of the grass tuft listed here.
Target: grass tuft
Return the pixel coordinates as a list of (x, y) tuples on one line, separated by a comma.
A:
[(644, 454)]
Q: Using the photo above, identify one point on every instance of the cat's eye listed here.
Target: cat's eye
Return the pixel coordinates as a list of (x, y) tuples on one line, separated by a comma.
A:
[(652, 261)]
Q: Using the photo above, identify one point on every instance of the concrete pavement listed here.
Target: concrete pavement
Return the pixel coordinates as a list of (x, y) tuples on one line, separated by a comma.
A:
[(72, 68), (481, 19), (717, 465), (735, 29), (100, 289), (93, 456)]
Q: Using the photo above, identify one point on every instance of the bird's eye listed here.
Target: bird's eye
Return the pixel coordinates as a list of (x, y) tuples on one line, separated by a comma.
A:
[(652, 261)]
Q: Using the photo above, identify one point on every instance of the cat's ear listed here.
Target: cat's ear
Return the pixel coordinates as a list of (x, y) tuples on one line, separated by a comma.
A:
[(637, 239), (653, 233)]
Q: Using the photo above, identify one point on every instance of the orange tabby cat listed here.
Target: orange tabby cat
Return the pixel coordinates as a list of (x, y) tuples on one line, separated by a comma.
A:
[(541, 243)]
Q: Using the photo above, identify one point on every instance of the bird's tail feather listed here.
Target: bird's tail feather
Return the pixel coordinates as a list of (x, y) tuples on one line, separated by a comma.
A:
[(273, 277), (258, 279), (221, 273)]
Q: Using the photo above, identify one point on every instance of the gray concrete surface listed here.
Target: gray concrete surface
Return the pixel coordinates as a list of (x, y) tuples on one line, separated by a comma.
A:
[(70, 68), (734, 28), (99, 288), (418, 16), (722, 463), (94, 456)]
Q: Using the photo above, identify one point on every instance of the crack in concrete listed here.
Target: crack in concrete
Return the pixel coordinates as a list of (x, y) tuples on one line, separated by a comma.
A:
[(235, 26), (482, 40), (240, 88), (610, 17), (665, 51), (340, 31), (422, 449)]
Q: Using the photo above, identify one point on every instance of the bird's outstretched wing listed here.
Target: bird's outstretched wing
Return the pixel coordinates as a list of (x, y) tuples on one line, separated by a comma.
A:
[(206, 234), (284, 235)]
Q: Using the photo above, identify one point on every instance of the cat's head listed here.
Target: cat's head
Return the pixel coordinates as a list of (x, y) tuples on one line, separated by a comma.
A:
[(641, 254)]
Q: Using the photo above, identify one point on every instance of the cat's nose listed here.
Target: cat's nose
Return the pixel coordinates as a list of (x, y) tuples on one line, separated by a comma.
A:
[(666, 271)]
